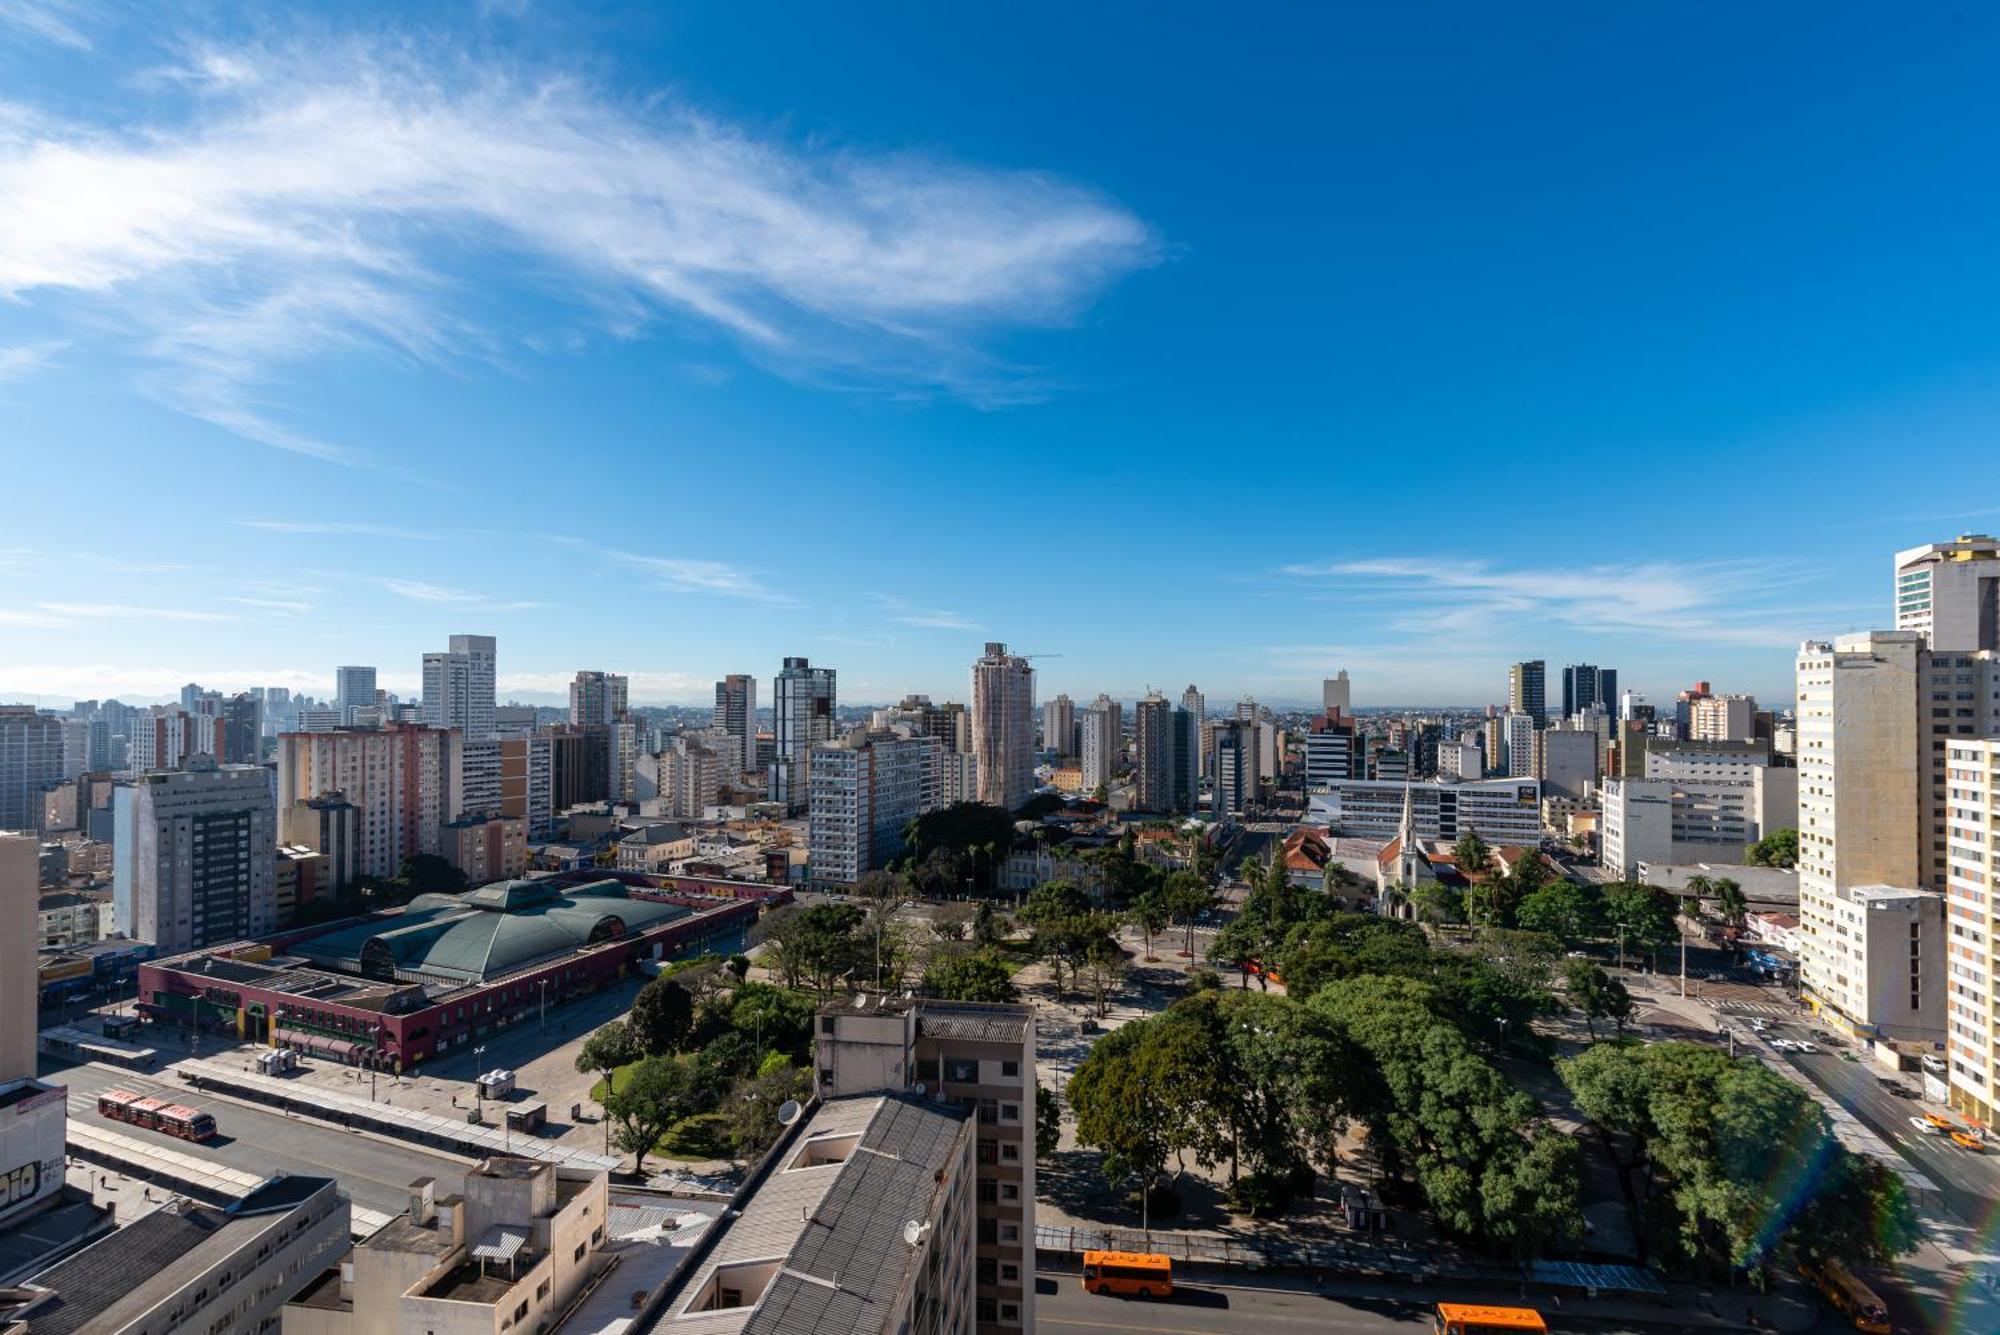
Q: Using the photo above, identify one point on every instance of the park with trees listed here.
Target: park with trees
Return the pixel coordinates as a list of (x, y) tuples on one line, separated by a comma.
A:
[(1420, 1032)]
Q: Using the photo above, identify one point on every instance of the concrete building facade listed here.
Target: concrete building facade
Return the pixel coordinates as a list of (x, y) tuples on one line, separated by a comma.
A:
[(195, 856), (1858, 802), (1003, 727), (973, 1055)]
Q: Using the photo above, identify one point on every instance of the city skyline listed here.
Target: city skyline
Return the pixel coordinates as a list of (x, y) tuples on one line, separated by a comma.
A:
[(1437, 326)]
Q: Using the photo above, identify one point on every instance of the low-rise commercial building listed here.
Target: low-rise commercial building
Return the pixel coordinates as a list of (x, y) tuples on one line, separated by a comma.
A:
[(1663, 820), (191, 1268), (1500, 811), (402, 987)]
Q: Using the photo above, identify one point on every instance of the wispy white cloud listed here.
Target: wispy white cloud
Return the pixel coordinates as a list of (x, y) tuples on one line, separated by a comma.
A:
[(691, 574), (126, 612), (20, 360), (63, 22), (282, 606), (1717, 601), (336, 529), (358, 196), (904, 613), (420, 591)]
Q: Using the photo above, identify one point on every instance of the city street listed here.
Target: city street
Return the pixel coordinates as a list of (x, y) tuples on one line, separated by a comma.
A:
[(374, 1173), (1061, 1306)]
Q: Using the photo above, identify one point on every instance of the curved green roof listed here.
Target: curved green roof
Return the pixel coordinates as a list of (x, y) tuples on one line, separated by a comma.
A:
[(486, 933)]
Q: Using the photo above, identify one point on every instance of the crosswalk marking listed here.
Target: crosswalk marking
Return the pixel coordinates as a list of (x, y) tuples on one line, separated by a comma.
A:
[(1752, 1007)]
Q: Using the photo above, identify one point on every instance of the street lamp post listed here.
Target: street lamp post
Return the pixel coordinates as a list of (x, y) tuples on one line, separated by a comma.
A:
[(478, 1096), (545, 1005)]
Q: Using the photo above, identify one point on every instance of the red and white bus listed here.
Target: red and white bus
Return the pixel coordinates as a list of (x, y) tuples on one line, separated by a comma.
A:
[(155, 1114)]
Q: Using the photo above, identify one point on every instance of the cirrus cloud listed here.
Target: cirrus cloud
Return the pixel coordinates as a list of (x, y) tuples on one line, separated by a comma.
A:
[(367, 196)]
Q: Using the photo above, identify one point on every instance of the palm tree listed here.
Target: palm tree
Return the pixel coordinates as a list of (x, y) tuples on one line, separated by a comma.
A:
[(1734, 906)]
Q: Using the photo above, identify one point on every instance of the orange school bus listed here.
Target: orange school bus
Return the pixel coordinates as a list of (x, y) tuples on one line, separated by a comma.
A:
[(1479, 1319), (1128, 1274)]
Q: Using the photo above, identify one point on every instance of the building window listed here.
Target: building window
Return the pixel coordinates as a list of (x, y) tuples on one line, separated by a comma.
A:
[(1010, 1312), (1010, 1112), (962, 1072), (1011, 1070), (1010, 1153)]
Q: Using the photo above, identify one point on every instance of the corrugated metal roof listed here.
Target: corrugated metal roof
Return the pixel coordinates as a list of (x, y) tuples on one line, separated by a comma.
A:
[(499, 1244), (838, 1227)]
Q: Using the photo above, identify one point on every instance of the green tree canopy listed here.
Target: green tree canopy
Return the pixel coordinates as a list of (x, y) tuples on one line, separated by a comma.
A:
[(662, 1017), (977, 975), (608, 1048), (654, 1095), (1780, 848), (1742, 1162), (1563, 909)]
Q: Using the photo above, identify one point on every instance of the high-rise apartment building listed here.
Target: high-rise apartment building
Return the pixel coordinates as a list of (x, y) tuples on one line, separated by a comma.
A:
[(736, 717), (353, 688), (1003, 727), (31, 758), (1858, 805), (597, 698), (1972, 1016), (1162, 738), (1527, 691), (459, 686), (404, 780), (865, 790), (1584, 685), (194, 857), (1236, 766), (1517, 743), (1059, 726), (802, 708), (1196, 704), (1722, 718), (1336, 694), (239, 730), (973, 1055), (1949, 592), (1103, 742)]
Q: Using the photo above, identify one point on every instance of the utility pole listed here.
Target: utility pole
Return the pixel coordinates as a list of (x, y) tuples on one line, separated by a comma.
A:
[(1680, 925)]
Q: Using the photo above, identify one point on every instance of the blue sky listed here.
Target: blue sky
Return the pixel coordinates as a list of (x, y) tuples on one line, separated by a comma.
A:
[(1190, 345)]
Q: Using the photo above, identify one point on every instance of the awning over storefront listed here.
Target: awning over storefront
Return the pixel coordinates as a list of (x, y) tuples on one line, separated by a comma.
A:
[(332, 1047)]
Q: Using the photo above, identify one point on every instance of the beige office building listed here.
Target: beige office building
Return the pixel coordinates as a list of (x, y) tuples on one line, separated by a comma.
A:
[(1859, 796)]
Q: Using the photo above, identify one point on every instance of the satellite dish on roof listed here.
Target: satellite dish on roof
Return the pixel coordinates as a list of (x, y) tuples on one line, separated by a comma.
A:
[(788, 1112), (914, 1231)]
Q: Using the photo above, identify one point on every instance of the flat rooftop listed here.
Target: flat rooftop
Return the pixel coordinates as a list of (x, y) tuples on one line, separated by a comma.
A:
[(837, 1222)]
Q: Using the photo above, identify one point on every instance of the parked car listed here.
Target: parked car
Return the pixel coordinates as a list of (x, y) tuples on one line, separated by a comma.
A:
[(1923, 1125), (1932, 1063)]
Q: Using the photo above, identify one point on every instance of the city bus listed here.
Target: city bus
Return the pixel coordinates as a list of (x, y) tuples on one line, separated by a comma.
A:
[(1853, 1299), (1481, 1319), (1128, 1274), (155, 1114)]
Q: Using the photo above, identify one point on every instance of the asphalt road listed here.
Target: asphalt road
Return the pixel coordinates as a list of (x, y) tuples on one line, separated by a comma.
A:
[(374, 1173), (1063, 1308), (1969, 1180)]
